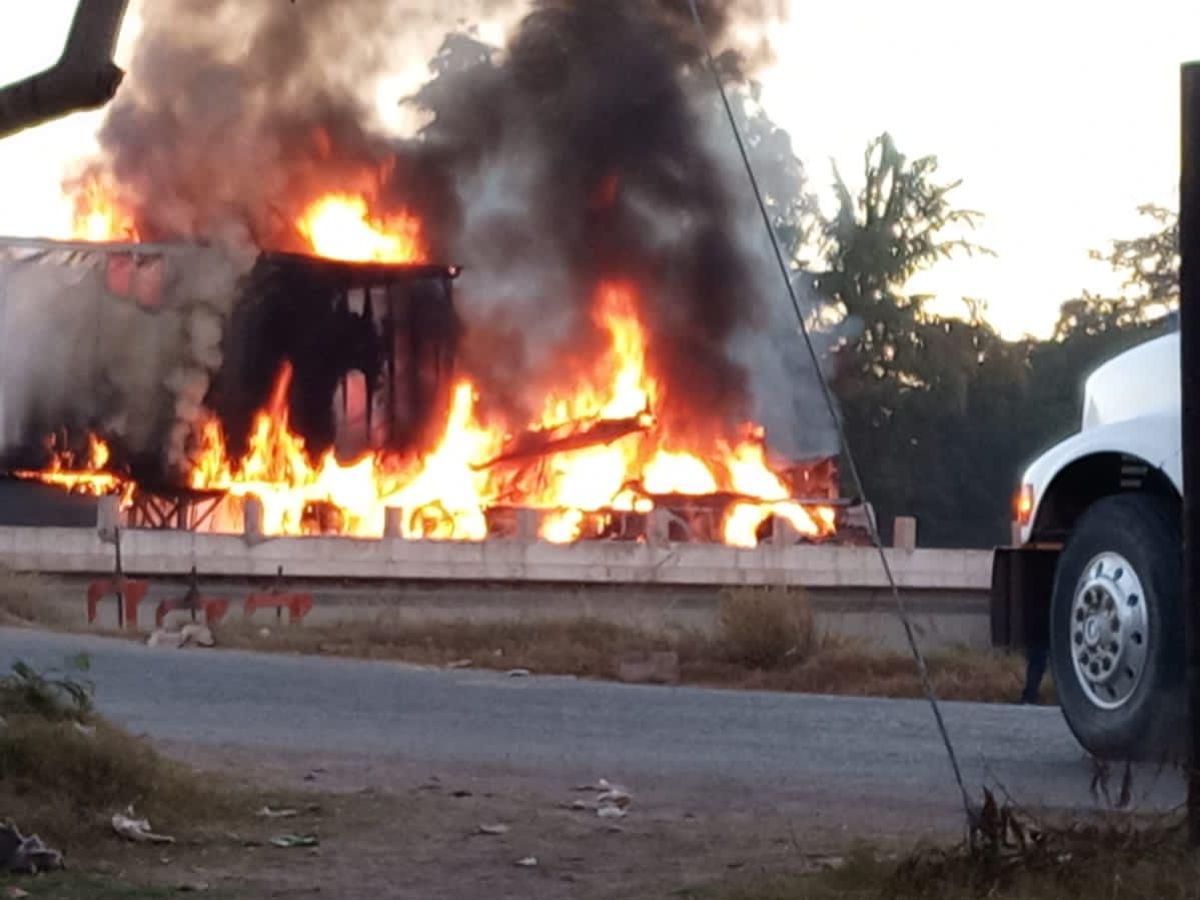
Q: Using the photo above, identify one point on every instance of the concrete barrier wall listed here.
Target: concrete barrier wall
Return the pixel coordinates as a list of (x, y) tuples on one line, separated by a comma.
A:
[(670, 586), (80, 551)]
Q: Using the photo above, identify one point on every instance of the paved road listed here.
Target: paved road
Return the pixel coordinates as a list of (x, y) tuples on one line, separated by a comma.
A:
[(824, 756)]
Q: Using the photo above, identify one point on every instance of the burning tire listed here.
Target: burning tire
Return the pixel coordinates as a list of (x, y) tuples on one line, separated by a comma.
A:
[(1116, 629)]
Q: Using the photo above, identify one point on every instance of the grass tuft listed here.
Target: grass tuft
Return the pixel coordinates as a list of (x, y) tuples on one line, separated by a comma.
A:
[(1117, 857), (767, 641), (26, 598), (766, 628), (64, 771)]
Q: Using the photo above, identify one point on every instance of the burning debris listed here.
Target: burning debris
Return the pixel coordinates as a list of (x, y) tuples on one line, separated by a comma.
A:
[(593, 366)]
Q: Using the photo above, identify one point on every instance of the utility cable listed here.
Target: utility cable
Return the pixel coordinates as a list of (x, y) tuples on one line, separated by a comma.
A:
[(831, 404)]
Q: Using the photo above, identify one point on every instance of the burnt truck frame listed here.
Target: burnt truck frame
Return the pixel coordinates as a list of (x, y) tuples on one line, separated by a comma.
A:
[(129, 339)]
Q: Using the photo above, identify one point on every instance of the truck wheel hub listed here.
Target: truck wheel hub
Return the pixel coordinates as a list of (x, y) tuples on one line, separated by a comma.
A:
[(1109, 630)]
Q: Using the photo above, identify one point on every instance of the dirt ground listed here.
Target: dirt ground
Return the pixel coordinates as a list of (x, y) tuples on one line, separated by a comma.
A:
[(389, 831)]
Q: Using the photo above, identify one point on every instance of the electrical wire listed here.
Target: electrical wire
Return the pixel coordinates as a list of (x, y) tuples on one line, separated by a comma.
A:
[(831, 404)]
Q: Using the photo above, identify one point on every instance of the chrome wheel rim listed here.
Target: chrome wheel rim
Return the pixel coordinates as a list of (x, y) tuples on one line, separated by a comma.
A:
[(1110, 631)]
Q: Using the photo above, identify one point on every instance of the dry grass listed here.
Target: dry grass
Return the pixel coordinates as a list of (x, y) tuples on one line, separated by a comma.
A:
[(767, 629), (1114, 858), (25, 599), (766, 640), (64, 771)]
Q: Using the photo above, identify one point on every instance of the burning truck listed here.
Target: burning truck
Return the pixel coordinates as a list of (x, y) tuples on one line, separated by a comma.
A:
[(252, 304), (327, 390)]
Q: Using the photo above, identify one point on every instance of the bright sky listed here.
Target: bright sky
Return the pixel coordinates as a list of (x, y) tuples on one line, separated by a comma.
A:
[(1060, 117)]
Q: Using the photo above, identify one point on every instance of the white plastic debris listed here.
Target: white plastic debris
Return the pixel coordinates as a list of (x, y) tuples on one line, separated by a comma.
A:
[(460, 664), (613, 801), (198, 635), (191, 635), (519, 673), (268, 813), (496, 829), (527, 862), (128, 826)]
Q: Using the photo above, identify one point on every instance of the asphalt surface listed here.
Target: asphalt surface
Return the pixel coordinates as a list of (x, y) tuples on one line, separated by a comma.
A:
[(849, 758)]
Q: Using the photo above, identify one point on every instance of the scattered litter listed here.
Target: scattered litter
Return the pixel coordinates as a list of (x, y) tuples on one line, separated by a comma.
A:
[(460, 664), (193, 887), (16, 893), (197, 634), (313, 773), (613, 801), (264, 632), (527, 862), (267, 813), (191, 635), (85, 730), (288, 841), (494, 829), (460, 794), (518, 673), (128, 826)]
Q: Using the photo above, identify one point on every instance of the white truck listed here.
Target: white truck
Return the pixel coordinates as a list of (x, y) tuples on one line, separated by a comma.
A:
[(1095, 573)]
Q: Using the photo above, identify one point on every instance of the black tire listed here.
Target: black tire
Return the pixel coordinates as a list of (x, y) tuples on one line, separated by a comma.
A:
[(1144, 530)]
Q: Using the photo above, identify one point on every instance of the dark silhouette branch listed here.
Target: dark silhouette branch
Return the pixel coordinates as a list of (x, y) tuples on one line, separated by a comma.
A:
[(85, 76)]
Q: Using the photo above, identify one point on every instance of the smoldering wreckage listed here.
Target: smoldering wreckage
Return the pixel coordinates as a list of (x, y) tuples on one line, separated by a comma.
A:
[(263, 295)]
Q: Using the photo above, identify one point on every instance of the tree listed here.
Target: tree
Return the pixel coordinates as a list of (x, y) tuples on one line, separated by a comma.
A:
[(874, 244), (909, 383), (941, 412)]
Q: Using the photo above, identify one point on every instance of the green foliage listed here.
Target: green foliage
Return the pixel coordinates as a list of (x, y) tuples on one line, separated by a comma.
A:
[(56, 695), (942, 413)]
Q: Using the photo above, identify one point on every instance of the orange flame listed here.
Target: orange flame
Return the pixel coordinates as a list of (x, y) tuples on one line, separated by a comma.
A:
[(446, 492), (340, 226), (602, 451), (87, 476), (99, 215)]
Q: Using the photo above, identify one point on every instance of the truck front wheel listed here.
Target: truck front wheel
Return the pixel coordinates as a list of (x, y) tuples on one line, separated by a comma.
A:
[(1116, 629)]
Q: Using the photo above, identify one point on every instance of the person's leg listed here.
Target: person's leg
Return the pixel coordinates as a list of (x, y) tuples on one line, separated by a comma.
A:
[(1036, 659)]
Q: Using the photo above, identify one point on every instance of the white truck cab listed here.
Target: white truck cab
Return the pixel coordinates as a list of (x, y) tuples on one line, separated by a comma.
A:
[(1095, 574)]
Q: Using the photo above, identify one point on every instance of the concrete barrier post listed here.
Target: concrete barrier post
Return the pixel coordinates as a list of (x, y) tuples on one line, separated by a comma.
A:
[(393, 522), (108, 516), (783, 533), (658, 528), (904, 533), (528, 521), (252, 519)]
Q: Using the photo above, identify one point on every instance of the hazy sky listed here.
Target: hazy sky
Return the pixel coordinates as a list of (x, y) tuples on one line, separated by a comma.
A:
[(1060, 116)]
